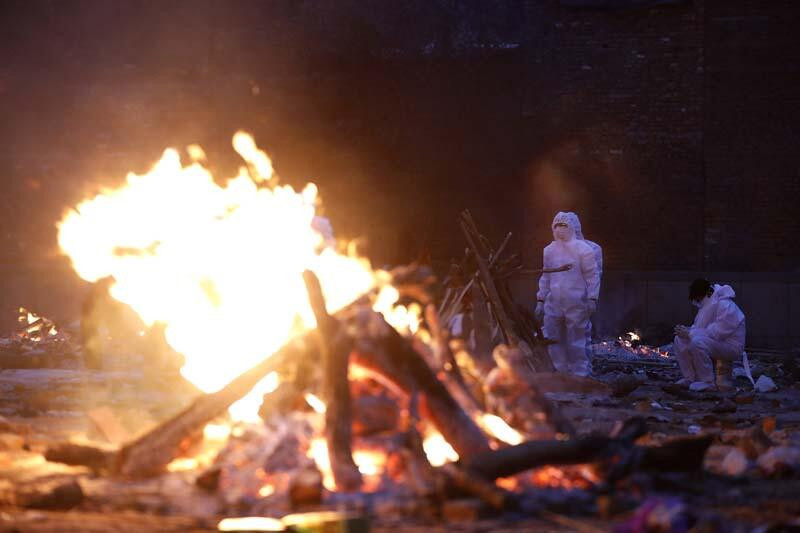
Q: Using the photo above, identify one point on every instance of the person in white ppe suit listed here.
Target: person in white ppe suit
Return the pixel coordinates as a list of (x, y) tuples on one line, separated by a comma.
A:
[(567, 299), (598, 256), (716, 337)]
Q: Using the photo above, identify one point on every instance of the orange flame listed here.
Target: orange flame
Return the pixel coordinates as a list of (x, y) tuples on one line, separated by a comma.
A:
[(499, 429), (315, 403), (438, 450), (219, 265), (371, 464)]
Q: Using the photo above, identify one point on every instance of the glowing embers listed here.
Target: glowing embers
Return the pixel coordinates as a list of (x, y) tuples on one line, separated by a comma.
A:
[(631, 345), (371, 463), (35, 328), (565, 477), (498, 428)]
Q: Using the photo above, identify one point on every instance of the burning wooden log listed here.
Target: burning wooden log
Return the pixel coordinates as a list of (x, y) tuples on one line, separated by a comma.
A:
[(335, 348), (97, 459), (447, 365), (625, 457), (420, 473), (428, 480), (396, 363), (149, 454), (678, 455), (532, 454), (391, 357), (512, 460), (463, 479), (50, 493), (513, 373)]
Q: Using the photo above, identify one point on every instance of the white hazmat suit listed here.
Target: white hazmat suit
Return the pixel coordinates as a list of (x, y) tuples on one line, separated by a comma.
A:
[(568, 298), (717, 334), (598, 256)]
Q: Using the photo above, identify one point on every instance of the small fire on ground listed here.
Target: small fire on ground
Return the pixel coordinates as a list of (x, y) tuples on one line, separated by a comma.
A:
[(631, 344), (34, 327)]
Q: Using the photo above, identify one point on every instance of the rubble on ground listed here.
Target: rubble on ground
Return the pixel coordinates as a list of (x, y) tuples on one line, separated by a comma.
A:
[(544, 451)]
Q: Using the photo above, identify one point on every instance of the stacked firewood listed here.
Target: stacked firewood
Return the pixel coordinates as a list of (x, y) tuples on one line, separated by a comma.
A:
[(434, 381), (481, 278)]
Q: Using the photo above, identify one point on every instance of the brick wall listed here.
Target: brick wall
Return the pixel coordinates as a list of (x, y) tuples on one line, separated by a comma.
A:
[(752, 112), (622, 109), (669, 129)]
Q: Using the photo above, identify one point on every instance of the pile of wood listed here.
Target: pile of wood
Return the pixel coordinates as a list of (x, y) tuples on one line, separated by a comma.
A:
[(482, 277), (433, 385)]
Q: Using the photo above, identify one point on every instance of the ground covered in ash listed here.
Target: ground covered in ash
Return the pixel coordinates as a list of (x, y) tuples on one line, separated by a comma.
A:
[(750, 480)]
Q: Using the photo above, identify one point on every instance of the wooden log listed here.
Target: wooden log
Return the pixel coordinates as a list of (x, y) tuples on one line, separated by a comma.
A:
[(502, 304), (533, 454), (496, 497), (395, 362), (455, 305), (149, 454), (525, 272), (305, 487), (513, 361), (335, 349), (420, 474), (452, 377), (110, 521), (427, 480), (49, 493), (532, 336), (98, 459), (489, 286), (680, 455), (482, 329), (373, 413)]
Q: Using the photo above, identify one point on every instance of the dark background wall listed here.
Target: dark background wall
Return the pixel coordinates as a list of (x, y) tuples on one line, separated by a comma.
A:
[(670, 129)]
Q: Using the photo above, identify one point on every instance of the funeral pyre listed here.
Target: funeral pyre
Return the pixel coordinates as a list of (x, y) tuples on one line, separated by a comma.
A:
[(326, 384)]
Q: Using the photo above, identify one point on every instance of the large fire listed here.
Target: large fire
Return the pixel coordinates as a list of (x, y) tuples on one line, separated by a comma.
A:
[(219, 265)]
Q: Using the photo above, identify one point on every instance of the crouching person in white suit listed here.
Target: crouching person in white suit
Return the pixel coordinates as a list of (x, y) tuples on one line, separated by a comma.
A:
[(716, 338)]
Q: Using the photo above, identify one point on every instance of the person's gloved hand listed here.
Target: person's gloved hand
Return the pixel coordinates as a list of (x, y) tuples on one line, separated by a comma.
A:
[(539, 313), (682, 332), (591, 306)]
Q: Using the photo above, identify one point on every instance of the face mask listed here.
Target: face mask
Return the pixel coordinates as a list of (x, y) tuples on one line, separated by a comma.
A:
[(561, 233), (701, 303)]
